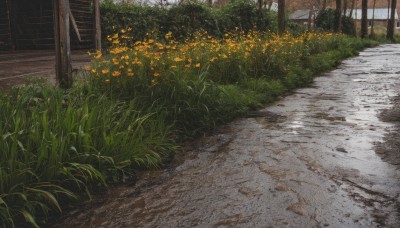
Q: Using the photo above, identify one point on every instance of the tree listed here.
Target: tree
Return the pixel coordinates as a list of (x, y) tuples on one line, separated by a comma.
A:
[(364, 18), (372, 35), (353, 4), (281, 17), (323, 5), (338, 16), (391, 23)]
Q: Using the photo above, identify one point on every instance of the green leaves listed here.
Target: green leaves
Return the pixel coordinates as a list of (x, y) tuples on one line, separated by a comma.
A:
[(56, 146)]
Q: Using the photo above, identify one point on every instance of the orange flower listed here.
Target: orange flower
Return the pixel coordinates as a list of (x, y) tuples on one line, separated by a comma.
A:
[(198, 65), (98, 56), (156, 74), (105, 71), (177, 59), (116, 73), (107, 81)]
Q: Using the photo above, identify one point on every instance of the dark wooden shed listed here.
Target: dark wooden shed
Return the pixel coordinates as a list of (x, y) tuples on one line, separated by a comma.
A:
[(51, 24)]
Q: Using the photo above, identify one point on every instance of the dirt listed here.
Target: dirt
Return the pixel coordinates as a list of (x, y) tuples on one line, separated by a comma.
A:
[(308, 160)]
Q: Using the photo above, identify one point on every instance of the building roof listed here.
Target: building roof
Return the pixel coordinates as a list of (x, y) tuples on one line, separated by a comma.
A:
[(380, 14), (300, 15)]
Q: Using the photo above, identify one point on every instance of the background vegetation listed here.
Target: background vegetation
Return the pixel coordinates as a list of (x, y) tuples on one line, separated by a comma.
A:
[(186, 19)]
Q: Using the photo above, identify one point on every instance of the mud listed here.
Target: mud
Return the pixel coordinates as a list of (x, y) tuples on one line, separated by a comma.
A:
[(389, 150), (307, 160)]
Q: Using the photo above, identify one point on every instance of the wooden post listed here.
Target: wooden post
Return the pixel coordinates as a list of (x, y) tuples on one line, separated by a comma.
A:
[(97, 25), (13, 24), (62, 43)]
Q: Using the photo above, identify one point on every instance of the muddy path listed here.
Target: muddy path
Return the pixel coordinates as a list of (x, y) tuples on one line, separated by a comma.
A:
[(307, 160)]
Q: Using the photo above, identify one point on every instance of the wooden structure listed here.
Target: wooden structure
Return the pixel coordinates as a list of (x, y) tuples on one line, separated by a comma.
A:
[(51, 24)]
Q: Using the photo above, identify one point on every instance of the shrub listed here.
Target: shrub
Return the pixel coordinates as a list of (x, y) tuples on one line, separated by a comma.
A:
[(184, 20), (326, 20)]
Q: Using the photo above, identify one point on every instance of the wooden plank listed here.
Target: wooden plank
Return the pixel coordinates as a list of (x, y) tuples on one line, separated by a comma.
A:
[(71, 17), (97, 26)]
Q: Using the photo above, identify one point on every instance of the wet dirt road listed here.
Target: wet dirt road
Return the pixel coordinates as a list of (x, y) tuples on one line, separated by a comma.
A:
[(307, 160)]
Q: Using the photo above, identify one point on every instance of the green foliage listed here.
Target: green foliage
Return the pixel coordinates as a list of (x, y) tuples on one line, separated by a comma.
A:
[(143, 20), (186, 19), (326, 19), (55, 145), (183, 20)]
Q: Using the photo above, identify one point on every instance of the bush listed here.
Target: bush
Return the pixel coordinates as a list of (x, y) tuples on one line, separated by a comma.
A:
[(184, 20), (326, 19), (187, 19)]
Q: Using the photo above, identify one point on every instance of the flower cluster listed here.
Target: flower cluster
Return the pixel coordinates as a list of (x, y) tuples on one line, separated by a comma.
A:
[(153, 59)]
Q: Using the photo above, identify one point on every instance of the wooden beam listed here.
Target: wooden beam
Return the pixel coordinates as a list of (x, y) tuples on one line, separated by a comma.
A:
[(71, 17), (97, 26), (62, 43)]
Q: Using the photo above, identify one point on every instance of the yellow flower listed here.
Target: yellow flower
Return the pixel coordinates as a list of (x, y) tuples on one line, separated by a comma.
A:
[(213, 59), (130, 72), (88, 67), (173, 67), (94, 70), (107, 81), (198, 65), (156, 74), (168, 35), (105, 71), (116, 73), (123, 31), (98, 56), (177, 59)]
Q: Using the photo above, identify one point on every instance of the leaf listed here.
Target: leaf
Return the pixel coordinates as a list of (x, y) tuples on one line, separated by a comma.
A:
[(50, 197), (29, 218)]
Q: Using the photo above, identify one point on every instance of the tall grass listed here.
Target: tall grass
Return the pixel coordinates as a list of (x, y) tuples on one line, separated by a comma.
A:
[(55, 145)]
